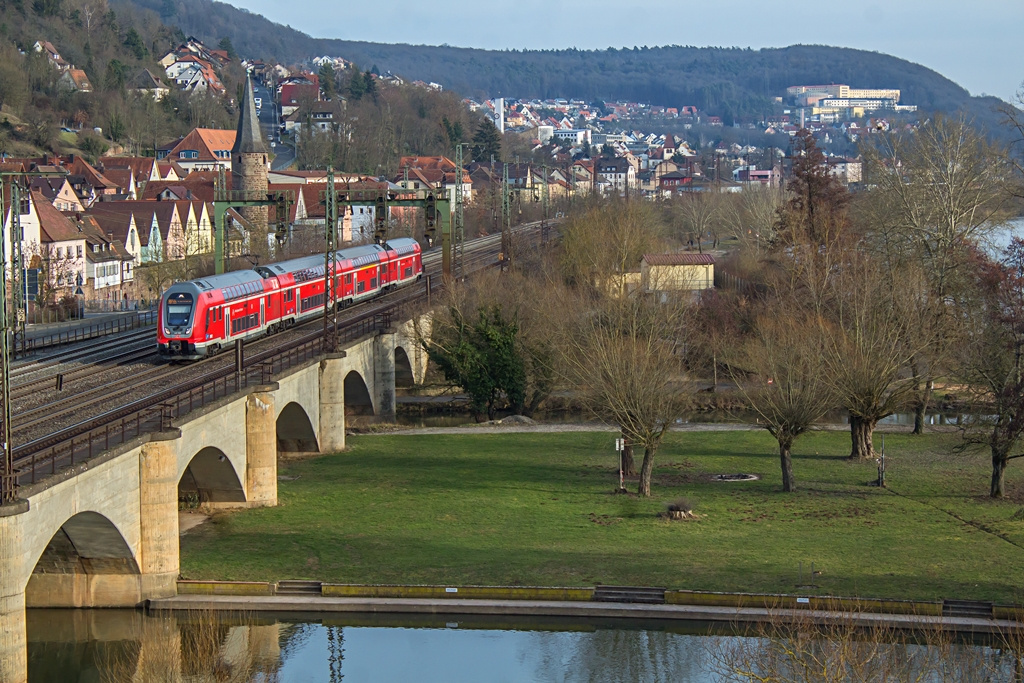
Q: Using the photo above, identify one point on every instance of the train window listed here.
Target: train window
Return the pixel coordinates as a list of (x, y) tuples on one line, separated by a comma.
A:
[(179, 309), (348, 280), (361, 286), (407, 272), (373, 283)]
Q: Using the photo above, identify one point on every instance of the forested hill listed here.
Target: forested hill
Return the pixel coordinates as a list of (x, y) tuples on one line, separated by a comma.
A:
[(732, 82)]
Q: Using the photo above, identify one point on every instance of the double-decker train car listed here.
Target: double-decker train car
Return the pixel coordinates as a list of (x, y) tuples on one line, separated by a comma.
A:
[(199, 317)]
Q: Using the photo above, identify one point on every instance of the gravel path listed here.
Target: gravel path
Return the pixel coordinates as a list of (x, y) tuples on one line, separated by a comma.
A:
[(556, 427)]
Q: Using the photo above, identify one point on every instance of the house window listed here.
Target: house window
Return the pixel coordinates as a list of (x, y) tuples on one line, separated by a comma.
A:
[(60, 252), (188, 154), (79, 250)]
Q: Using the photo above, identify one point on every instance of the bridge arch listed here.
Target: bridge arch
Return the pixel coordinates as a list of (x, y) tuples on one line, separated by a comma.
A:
[(210, 477), (405, 376), (86, 557), (358, 400), (295, 431), (87, 543)]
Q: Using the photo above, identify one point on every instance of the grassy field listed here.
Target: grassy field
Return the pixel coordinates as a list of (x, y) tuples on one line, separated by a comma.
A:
[(539, 509)]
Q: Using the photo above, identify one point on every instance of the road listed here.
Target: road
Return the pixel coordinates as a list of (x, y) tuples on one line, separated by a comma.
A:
[(269, 124)]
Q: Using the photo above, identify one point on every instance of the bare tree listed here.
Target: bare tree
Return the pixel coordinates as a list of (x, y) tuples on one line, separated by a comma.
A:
[(780, 370), (1013, 115), (699, 214), (756, 217), (601, 245), (937, 192), (624, 359), (991, 359), (871, 342)]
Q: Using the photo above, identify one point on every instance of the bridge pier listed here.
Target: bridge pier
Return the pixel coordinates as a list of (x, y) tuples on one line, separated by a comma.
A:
[(384, 374), (158, 516), (332, 403), (261, 448), (13, 639), (13, 635)]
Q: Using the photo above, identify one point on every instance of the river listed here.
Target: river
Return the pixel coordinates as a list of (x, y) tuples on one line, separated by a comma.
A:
[(115, 646)]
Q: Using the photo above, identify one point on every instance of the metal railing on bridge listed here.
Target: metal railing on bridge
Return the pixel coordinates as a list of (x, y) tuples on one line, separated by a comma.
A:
[(45, 457)]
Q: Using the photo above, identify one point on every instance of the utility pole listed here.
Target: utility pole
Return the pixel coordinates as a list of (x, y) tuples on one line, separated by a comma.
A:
[(458, 219), (544, 206), (224, 200), (11, 321), (330, 257), (17, 279), (506, 218), (8, 479)]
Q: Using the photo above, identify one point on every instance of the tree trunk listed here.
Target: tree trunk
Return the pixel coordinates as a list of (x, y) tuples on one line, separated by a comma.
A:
[(628, 464), (861, 435), (921, 409), (714, 372), (645, 473), (785, 444), (998, 474)]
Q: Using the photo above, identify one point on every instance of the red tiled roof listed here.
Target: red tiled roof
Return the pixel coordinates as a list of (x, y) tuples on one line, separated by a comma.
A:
[(55, 226), (679, 259)]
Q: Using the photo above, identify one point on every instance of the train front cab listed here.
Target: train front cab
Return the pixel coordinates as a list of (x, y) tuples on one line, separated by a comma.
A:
[(177, 332)]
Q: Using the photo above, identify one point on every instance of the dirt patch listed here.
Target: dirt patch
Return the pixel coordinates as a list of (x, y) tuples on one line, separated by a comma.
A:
[(296, 456), (604, 520), (376, 428), (190, 519)]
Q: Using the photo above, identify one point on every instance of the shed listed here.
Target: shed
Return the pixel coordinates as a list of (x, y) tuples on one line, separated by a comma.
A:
[(678, 272)]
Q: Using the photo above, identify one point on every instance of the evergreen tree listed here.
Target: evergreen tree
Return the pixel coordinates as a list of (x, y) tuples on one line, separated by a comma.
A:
[(356, 84), (327, 81), (225, 44), (486, 141), (370, 85), (133, 41), (482, 357)]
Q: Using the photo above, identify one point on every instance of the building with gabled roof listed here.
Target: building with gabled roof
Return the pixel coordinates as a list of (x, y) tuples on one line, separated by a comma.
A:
[(145, 83), (58, 191), (204, 149), (76, 79)]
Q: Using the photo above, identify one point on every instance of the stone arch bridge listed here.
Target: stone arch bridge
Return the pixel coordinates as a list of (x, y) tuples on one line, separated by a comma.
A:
[(105, 534)]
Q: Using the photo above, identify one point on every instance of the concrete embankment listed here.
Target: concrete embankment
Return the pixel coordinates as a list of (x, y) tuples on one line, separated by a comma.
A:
[(579, 603), (590, 610)]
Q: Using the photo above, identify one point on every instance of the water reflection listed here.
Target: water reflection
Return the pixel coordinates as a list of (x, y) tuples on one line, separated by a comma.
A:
[(119, 645), (100, 646)]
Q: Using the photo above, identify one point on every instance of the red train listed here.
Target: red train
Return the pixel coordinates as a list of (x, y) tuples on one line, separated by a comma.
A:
[(199, 317)]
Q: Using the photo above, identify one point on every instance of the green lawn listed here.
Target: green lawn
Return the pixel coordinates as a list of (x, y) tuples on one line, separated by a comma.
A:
[(538, 509)]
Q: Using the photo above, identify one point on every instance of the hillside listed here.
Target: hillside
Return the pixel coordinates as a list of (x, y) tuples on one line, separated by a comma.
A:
[(731, 82)]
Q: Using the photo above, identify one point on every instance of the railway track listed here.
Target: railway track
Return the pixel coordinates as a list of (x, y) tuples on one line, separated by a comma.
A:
[(61, 432), (99, 348)]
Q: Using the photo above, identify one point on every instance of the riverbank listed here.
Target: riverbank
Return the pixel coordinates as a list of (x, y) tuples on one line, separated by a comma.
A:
[(732, 616), (541, 509)]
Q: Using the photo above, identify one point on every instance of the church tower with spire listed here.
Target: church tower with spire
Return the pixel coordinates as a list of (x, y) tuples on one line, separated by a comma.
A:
[(249, 162)]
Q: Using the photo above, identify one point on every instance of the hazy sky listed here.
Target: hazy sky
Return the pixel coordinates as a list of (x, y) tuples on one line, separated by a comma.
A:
[(975, 43)]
